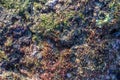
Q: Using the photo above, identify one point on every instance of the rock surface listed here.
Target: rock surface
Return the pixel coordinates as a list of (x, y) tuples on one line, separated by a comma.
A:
[(60, 40)]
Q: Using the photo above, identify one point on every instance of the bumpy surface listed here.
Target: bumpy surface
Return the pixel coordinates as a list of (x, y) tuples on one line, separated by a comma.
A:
[(59, 39)]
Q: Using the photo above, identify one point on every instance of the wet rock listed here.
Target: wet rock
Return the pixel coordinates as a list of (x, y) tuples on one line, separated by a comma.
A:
[(8, 66), (16, 32), (25, 38), (13, 59), (15, 18), (15, 56), (118, 76)]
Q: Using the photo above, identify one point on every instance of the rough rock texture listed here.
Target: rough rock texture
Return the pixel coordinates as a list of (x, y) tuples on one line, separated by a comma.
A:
[(60, 40)]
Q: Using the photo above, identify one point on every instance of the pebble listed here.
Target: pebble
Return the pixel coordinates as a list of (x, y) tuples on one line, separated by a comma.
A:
[(51, 3), (80, 70), (69, 75), (78, 60)]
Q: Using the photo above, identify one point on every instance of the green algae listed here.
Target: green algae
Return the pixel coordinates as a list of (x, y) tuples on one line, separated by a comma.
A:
[(113, 13), (101, 22)]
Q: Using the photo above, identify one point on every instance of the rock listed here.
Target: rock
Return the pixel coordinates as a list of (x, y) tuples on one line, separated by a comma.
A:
[(15, 18), (72, 58), (24, 41), (117, 34), (69, 75), (16, 32), (8, 66), (115, 44), (13, 59), (118, 76), (16, 56), (113, 77), (72, 37), (51, 3), (1, 9)]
